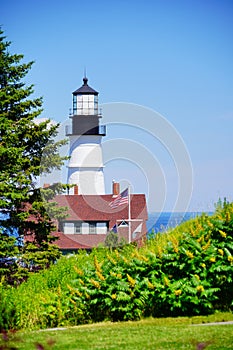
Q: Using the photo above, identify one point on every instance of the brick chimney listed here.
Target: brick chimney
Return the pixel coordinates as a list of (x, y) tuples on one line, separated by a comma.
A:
[(76, 189), (115, 188), (46, 185)]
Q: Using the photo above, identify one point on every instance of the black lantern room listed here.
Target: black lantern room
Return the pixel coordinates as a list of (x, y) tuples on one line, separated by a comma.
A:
[(85, 118)]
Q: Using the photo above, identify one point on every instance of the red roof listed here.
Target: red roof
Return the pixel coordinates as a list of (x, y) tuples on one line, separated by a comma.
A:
[(64, 242), (89, 240), (97, 208)]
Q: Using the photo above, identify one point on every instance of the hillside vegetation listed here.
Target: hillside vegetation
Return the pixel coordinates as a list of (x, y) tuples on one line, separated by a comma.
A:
[(185, 271)]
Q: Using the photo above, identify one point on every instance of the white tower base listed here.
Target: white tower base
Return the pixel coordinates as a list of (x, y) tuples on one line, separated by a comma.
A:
[(89, 181), (86, 164)]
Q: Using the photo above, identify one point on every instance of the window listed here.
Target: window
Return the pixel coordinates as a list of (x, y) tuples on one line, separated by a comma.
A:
[(85, 227), (102, 227), (123, 223), (96, 105), (92, 227), (74, 104), (86, 104), (78, 227), (68, 227)]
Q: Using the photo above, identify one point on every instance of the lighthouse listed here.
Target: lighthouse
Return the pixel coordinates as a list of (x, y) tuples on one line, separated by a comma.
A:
[(85, 168)]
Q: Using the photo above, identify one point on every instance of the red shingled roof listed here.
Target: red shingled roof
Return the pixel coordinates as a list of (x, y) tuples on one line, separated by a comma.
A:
[(96, 208), (91, 240), (64, 242)]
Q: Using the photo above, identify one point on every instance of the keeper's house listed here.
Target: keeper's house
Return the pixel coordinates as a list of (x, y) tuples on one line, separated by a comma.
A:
[(92, 217)]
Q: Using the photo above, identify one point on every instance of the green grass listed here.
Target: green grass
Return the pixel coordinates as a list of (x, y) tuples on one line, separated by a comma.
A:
[(166, 333)]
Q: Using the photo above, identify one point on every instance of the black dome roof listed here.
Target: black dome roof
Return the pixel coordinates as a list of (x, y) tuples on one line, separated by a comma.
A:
[(85, 89)]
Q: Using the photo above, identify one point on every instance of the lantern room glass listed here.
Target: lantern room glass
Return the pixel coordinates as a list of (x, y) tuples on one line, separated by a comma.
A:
[(85, 104)]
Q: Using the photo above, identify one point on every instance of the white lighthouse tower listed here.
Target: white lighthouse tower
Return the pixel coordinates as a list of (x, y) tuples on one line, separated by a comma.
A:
[(85, 167)]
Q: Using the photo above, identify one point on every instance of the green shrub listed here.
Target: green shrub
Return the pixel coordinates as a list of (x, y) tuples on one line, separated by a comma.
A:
[(186, 271)]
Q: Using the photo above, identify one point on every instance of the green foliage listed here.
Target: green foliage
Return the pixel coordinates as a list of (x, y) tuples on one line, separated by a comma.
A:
[(9, 269), (27, 149), (186, 271), (8, 243), (111, 240)]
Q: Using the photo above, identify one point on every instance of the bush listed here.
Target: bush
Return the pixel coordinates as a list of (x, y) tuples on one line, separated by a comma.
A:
[(186, 271)]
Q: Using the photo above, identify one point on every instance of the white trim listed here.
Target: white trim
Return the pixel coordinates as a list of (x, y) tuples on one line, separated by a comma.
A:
[(129, 214)]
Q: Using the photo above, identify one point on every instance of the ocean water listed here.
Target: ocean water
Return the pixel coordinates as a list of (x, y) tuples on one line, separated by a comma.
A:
[(160, 222)]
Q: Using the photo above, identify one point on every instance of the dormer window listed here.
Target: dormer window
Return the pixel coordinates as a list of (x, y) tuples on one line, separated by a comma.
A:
[(85, 227)]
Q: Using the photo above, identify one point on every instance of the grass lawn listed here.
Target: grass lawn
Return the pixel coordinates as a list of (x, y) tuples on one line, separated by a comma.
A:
[(169, 333)]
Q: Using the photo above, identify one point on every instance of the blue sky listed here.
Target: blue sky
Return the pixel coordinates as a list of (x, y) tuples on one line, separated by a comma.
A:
[(174, 57)]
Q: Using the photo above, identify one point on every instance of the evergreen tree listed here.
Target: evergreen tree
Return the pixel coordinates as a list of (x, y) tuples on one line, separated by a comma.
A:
[(23, 142)]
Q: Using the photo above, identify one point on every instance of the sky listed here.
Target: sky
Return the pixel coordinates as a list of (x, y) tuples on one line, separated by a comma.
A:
[(173, 57)]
